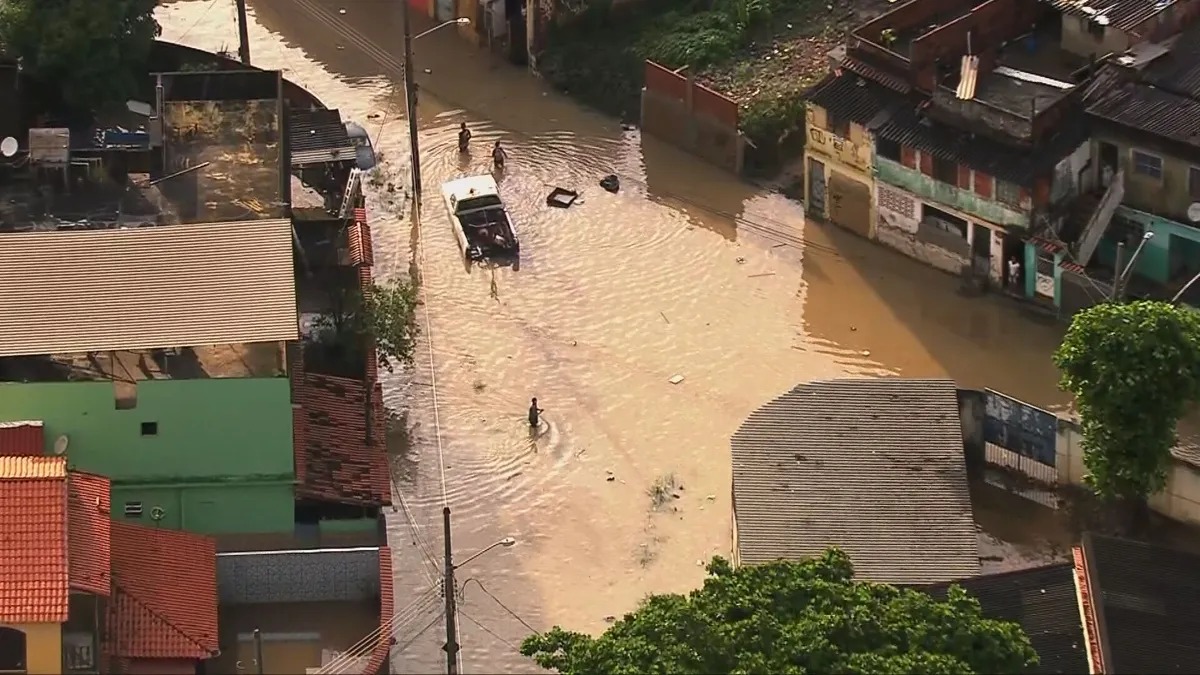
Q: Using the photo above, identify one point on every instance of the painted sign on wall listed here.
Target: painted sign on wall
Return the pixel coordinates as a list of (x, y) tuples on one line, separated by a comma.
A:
[(1045, 285), (1017, 426)]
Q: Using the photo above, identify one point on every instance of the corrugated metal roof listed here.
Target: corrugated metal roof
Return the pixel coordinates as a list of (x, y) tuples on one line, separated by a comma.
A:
[(850, 97), (1179, 70), (875, 74), (1123, 15), (874, 466), (157, 287), (318, 136), (1021, 166), (1151, 110), (1149, 598), (1043, 601)]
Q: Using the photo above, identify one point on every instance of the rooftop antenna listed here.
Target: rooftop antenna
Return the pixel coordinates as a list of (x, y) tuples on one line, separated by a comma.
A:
[(9, 146)]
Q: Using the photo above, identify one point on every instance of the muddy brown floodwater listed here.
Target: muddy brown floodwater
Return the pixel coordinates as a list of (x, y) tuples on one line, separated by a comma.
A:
[(686, 271)]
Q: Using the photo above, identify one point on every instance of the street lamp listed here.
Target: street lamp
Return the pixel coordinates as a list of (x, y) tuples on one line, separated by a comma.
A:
[(410, 93), (505, 542), (1123, 275), (462, 20)]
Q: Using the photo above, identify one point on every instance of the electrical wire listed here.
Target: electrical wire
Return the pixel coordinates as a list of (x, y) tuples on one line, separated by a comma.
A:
[(399, 649), (489, 631), (523, 622), (211, 4), (367, 644)]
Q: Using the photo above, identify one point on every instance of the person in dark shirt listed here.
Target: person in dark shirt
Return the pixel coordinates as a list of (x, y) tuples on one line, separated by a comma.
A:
[(534, 414), (464, 137), (499, 156)]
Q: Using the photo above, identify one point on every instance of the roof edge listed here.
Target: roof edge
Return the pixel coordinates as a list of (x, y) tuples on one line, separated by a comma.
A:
[(1093, 641), (212, 652)]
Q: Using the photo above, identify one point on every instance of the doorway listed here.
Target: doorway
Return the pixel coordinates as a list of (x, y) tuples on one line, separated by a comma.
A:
[(816, 188), (1014, 264), (1110, 161)]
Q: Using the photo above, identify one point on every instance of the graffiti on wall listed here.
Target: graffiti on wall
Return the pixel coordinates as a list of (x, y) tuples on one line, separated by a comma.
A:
[(1019, 427)]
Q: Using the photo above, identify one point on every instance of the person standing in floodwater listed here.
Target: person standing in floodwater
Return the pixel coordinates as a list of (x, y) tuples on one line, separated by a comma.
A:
[(499, 156), (534, 414), (464, 137)]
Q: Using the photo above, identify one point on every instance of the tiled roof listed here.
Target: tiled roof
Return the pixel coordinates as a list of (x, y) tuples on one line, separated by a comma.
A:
[(89, 532), (1043, 601), (1151, 110), (164, 602), (1179, 70), (387, 608), (33, 540), (874, 466), (140, 288), (1124, 15), (1147, 605), (21, 438), (333, 460), (1021, 166), (359, 238), (850, 98)]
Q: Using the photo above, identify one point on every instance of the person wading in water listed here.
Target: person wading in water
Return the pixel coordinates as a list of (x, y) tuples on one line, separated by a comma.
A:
[(464, 137), (499, 156), (534, 414)]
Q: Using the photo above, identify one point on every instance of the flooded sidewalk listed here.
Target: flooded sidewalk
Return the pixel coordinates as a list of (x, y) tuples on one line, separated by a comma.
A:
[(686, 271)]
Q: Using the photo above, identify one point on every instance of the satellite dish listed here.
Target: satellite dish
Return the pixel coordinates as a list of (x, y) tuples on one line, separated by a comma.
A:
[(60, 444), (1193, 212), (157, 513), (9, 146)]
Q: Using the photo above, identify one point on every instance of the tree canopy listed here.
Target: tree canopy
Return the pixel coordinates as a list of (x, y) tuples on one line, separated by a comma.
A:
[(1133, 369), (789, 618), (384, 313), (91, 51)]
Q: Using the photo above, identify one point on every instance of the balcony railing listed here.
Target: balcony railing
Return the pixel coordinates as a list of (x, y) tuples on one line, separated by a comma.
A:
[(895, 173)]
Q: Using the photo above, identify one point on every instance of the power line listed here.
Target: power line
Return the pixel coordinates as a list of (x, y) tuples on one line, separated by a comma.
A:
[(211, 4), (391, 626), (489, 631), (503, 606)]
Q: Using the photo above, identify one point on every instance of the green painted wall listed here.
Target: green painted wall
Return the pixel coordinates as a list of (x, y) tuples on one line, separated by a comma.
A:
[(216, 509), (210, 430), (895, 173), (1154, 262)]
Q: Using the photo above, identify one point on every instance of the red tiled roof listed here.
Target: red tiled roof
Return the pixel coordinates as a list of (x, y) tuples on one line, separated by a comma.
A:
[(89, 532), (387, 607), (334, 462), (21, 438), (164, 602), (359, 236), (33, 540)]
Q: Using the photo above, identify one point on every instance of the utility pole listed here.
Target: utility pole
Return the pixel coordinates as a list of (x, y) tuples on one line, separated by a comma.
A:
[(258, 651), (1117, 264), (243, 33), (410, 100), (451, 619)]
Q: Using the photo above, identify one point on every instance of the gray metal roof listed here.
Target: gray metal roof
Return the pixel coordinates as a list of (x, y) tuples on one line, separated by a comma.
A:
[(873, 466)]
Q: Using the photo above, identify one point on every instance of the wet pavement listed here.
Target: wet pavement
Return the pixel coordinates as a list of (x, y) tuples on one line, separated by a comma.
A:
[(687, 271)]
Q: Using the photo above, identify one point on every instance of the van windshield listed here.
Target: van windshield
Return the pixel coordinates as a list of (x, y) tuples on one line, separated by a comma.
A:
[(481, 202)]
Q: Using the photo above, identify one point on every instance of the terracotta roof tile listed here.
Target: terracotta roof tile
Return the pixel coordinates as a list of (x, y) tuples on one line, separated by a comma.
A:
[(333, 459), (89, 533), (164, 594), (21, 438), (387, 608), (33, 540)]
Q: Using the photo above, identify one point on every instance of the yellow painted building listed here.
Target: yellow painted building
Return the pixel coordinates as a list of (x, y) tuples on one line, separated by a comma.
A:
[(838, 172), (42, 648)]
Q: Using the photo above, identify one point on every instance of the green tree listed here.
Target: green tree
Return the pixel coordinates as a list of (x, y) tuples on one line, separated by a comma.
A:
[(91, 51), (790, 618), (385, 313), (1133, 369)]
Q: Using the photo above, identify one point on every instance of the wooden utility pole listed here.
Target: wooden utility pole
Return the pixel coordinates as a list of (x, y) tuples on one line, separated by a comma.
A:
[(451, 608), (243, 33), (410, 100)]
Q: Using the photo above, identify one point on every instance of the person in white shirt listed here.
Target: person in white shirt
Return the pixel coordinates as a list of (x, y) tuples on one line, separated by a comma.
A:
[(1014, 273)]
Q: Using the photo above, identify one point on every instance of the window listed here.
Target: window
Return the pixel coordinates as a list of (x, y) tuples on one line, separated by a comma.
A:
[(839, 128), (1008, 193), (945, 171), (133, 509), (149, 428), (1194, 183), (887, 149), (1145, 164)]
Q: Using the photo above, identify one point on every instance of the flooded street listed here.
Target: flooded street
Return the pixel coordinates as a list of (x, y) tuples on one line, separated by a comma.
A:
[(686, 271)]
